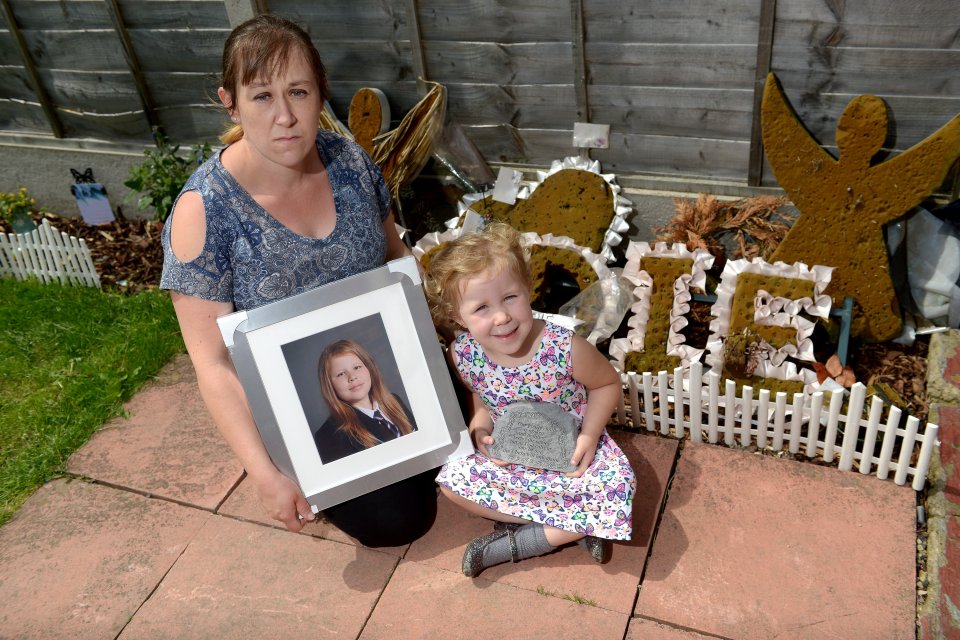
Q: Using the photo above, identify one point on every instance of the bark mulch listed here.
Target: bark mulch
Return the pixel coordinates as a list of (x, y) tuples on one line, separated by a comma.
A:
[(128, 257)]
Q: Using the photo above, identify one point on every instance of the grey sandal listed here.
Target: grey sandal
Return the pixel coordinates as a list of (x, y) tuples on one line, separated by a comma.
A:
[(504, 526), (472, 563), (600, 548)]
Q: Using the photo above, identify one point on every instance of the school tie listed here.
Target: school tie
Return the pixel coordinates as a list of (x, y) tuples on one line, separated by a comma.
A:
[(392, 428)]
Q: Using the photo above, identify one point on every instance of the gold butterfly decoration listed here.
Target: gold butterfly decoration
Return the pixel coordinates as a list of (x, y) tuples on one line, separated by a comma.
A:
[(402, 152)]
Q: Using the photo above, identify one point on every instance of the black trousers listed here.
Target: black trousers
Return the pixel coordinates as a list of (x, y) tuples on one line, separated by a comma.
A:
[(392, 516)]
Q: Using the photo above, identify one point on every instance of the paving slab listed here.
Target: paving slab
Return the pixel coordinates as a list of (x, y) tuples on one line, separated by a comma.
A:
[(245, 580), (427, 603), (166, 446), (752, 546), (244, 504), (641, 629), (570, 570), (79, 559)]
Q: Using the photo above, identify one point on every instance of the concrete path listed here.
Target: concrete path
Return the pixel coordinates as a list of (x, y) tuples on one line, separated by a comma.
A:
[(158, 536)]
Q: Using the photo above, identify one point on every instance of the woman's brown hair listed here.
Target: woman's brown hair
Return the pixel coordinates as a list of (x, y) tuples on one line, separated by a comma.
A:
[(344, 412)]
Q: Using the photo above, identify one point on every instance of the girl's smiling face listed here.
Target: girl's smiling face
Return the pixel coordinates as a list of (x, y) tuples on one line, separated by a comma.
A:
[(495, 308), (350, 379)]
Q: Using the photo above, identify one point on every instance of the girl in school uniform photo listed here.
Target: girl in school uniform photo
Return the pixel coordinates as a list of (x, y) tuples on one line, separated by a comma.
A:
[(363, 411)]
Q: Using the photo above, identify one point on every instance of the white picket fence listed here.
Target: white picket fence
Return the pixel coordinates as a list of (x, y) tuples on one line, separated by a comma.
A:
[(699, 410), (48, 255)]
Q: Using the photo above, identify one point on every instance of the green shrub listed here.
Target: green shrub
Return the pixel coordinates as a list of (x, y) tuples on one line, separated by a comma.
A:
[(162, 175), (13, 205)]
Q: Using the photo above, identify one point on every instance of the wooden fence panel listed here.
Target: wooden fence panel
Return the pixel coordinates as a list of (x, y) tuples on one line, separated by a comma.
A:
[(679, 21), (503, 21), (191, 125), (871, 23), (100, 92), (495, 63), (9, 56), (328, 23), (174, 14), (674, 111), (41, 15), (15, 85), (506, 143), (671, 65), (93, 14), (523, 106), (179, 51), (186, 89), (674, 80), (629, 153), (61, 49), (23, 118), (129, 127)]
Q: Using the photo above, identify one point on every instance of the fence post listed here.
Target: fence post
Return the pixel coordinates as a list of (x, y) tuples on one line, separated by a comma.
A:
[(796, 422), (696, 400), (813, 425), (926, 452), (678, 402), (870, 437), (851, 429), (889, 438), (746, 416)]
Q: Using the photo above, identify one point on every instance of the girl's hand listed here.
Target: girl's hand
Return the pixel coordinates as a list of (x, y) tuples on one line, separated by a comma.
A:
[(583, 454), (483, 439), (284, 501)]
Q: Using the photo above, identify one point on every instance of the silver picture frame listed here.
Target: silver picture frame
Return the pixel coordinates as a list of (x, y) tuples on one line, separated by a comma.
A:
[(275, 350)]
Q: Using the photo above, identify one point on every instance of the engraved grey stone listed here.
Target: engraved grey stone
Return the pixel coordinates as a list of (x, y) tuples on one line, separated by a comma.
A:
[(536, 434)]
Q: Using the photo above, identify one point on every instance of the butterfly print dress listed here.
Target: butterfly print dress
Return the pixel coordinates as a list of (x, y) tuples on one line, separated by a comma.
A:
[(597, 503)]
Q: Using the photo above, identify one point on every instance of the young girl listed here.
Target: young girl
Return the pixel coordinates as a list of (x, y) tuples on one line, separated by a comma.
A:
[(482, 282), (363, 412)]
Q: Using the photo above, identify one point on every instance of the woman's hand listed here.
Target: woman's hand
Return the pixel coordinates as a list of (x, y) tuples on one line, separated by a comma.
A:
[(284, 501), (583, 455)]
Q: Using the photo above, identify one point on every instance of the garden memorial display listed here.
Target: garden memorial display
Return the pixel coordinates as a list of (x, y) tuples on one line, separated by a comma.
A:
[(770, 278)]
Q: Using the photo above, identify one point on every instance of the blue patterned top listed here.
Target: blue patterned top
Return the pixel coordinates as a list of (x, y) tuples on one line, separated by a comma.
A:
[(250, 259)]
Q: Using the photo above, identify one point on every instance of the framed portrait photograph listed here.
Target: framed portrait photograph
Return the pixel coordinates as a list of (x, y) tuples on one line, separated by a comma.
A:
[(348, 384)]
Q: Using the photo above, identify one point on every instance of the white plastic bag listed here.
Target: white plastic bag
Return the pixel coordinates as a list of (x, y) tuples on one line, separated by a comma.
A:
[(600, 307), (933, 267)]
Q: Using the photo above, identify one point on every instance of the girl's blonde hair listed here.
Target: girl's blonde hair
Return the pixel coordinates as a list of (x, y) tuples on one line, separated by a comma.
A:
[(498, 247), (262, 47), (390, 407)]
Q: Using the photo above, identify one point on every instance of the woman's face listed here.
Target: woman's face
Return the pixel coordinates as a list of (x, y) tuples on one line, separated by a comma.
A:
[(279, 115), (350, 378)]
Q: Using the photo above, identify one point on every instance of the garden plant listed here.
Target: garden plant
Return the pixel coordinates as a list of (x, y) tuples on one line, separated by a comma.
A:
[(159, 178)]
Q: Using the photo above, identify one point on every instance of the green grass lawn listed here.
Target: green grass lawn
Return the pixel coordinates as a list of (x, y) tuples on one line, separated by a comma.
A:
[(69, 358)]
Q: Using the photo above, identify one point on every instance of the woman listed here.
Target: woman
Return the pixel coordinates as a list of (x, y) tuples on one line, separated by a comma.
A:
[(282, 209), (363, 412)]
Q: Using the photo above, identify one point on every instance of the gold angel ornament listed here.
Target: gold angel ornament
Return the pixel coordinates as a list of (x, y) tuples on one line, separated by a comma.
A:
[(844, 202)]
